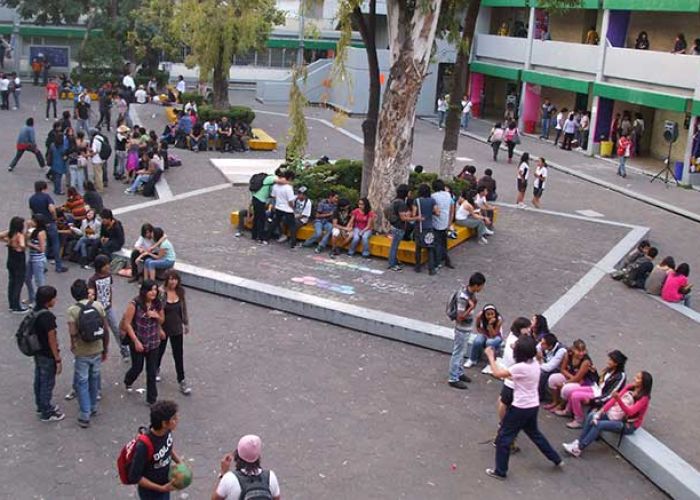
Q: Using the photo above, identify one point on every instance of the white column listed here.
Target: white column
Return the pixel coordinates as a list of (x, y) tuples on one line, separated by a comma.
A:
[(528, 64), (602, 50)]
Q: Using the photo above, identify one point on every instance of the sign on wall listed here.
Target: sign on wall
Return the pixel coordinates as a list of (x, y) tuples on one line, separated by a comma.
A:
[(59, 57)]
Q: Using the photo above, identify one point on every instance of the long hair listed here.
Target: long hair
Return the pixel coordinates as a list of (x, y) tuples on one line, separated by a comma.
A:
[(246, 467), (179, 289), (16, 226), (146, 287), (647, 382)]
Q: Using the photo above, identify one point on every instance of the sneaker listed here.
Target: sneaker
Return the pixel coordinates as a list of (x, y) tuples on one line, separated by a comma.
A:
[(185, 388), (492, 473), (483, 241), (128, 388), (574, 424), (23, 310), (264, 242), (465, 378), (318, 250), (562, 413), (469, 363), (128, 191), (158, 379), (487, 370), (237, 234), (458, 384), (282, 239), (395, 268), (488, 232), (70, 395), (10, 169), (84, 424), (572, 449), (55, 416), (87, 267)]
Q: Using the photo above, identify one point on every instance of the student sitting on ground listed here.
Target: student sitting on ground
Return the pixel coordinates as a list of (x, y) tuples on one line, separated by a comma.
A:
[(623, 413), (676, 287), (656, 279), (637, 273), (631, 257)]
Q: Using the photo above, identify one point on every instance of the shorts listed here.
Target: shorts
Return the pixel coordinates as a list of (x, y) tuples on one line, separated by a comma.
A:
[(522, 186), (506, 395), (537, 192)]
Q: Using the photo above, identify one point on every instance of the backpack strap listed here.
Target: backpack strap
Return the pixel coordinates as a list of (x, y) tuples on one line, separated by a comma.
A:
[(146, 440)]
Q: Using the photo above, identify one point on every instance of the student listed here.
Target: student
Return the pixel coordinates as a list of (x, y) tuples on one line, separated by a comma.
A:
[(284, 197), (642, 42), (363, 225), (676, 287), (552, 354), (441, 223), (323, 224), (89, 354), (547, 110), (466, 304), (142, 322), (656, 279), (489, 334), (495, 138), (540, 182), (624, 147), (576, 371), (232, 485), (101, 284), (88, 234), (636, 274), (523, 174), (679, 44), (641, 250), (539, 327), (522, 414), (16, 263), (164, 258), (342, 227), (141, 251), (399, 216), (485, 209), (48, 362), (489, 183), (633, 403), (150, 474), (175, 326), (570, 127), (512, 138), (425, 207), (559, 125), (111, 233), (467, 216), (26, 141)]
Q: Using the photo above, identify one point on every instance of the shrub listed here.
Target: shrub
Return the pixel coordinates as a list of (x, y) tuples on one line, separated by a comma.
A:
[(234, 113), (343, 177), (143, 76), (194, 97), (457, 185), (94, 78)]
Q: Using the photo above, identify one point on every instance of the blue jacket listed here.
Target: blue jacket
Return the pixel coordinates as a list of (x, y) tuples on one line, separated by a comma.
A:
[(27, 136), (58, 164), (185, 124)]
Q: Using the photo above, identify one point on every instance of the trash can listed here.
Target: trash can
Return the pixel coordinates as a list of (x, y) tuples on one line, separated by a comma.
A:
[(530, 126), (678, 170), (606, 149)]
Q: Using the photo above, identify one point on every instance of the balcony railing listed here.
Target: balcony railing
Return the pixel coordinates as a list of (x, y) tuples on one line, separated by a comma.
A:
[(502, 48), (565, 56), (659, 68)]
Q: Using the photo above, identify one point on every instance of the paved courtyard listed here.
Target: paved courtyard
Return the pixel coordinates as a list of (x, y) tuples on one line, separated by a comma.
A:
[(343, 413)]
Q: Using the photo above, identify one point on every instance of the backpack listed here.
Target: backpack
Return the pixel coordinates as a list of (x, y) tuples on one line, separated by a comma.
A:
[(391, 213), (257, 182), (254, 487), (451, 307), (126, 455), (90, 323), (27, 338), (149, 188), (105, 148)]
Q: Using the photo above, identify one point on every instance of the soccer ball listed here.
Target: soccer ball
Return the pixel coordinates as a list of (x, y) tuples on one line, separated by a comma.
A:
[(180, 475)]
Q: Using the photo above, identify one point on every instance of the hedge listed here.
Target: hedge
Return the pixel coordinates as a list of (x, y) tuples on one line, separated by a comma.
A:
[(94, 78), (234, 113), (194, 97)]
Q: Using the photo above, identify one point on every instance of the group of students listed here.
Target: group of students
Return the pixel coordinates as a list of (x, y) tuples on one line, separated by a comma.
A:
[(666, 279), (213, 134), (537, 369)]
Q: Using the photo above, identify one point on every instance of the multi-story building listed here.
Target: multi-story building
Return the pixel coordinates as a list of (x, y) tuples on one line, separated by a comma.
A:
[(522, 50)]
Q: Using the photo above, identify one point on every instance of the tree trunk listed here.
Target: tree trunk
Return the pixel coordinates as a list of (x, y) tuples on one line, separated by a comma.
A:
[(369, 125), (411, 36), (83, 42), (459, 85), (220, 84)]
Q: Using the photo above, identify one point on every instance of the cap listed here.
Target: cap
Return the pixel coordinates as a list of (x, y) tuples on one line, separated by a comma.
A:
[(302, 189), (249, 448), (123, 129)]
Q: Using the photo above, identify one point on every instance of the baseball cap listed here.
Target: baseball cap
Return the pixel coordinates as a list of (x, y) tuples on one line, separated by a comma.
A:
[(249, 448)]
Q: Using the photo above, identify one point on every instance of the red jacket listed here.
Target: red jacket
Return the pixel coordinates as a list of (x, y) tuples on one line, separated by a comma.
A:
[(52, 90)]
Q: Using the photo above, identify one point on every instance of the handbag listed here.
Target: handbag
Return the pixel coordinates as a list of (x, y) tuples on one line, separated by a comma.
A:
[(616, 412), (426, 237)]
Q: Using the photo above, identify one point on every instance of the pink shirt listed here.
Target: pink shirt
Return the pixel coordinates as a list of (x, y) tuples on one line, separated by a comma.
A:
[(526, 378), (634, 413), (671, 289), (361, 219)]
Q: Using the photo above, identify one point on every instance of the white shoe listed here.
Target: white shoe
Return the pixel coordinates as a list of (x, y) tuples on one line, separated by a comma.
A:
[(488, 232), (487, 370), (282, 239), (469, 363), (237, 235), (483, 241), (572, 449)]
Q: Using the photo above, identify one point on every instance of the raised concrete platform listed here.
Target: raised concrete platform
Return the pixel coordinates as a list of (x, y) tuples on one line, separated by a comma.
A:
[(262, 141), (240, 170)]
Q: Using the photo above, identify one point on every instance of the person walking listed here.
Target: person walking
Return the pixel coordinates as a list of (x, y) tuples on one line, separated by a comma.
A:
[(464, 321), (175, 325), (512, 138), (51, 97), (16, 263), (141, 322), (26, 141), (466, 112), (495, 138), (522, 413), (624, 150), (443, 104)]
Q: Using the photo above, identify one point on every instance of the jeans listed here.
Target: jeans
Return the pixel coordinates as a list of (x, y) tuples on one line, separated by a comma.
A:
[(557, 137), (57, 183), (459, 347), (82, 124), (515, 420), (15, 280), (480, 342), (138, 182), (49, 104), (32, 149), (320, 226), (591, 431), (44, 382), (495, 146), (53, 249), (441, 118), (137, 360), (77, 178), (82, 246), (119, 163), (35, 274), (396, 237), (288, 219), (441, 255), (153, 264), (473, 224), (545, 128), (16, 94), (364, 235), (465, 120), (511, 147), (258, 219), (176, 345), (114, 326), (621, 166), (86, 381)]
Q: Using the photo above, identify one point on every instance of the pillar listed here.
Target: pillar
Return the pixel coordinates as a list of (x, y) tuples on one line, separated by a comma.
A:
[(531, 107), (476, 93), (528, 65)]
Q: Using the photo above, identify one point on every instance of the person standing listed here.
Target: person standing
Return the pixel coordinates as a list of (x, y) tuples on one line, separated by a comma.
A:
[(142, 322), (642, 42), (624, 147), (47, 361), (248, 476), (82, 111), (638, 128), (57, 154), (559, 125), (88, 343), (284, 197), (175, 325), (523, 174), (41, 203), (425, 208), (570, 129), (181, 88), (464, 327), (97, 161), (466, 112), (547, 110), (15, 89), (51, 97), (4, 91), (540, 182), (100, 284), (443, 104), (26, 141), (442, 222), (398, 214), (16, 263), (260, 198), (522, 414)]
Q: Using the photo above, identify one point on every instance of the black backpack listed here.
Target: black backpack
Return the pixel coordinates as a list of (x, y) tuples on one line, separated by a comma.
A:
[(27, 338), (149, 188), (254, 487), (105, 149), (391, 212), (257, 182), (90, 323), (451, 307)]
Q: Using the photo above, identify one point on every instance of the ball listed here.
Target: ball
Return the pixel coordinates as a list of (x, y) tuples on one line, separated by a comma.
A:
[(180, 475)]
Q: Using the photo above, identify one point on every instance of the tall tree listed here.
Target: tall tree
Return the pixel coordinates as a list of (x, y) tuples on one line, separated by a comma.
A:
[(51, 11), (216, 30), (150, 33), (412, 25)]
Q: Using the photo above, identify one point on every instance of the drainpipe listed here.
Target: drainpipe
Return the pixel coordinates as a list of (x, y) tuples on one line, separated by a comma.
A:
[(528, 64), (602, 51)]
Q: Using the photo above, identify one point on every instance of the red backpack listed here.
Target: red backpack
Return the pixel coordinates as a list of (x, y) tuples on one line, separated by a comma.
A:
[(126, 455)]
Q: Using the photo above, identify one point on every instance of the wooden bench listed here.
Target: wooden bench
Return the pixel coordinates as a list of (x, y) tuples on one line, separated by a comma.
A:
[(379, 244), (261, 141)]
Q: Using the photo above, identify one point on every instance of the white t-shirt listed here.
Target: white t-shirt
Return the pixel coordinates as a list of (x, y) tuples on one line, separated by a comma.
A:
[(444, 202), (180, 87), (128, 81), (508, 360), (526, 379), (4, 84), (96, 146), (143, 243), (479, 201), (466, 107), (540, 177), (230, 489), (302, 209), (524, 171), (141, 96), (560, 121), (283, 194)]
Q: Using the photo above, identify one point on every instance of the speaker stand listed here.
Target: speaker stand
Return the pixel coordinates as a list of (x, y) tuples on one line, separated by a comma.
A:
[(665, 172)]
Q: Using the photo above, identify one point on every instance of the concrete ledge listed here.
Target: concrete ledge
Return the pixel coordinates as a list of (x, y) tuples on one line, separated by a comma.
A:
[(678, 307), (659, 463)]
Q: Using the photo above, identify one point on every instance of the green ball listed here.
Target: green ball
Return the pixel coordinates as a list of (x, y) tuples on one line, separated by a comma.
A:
[(180, 475)]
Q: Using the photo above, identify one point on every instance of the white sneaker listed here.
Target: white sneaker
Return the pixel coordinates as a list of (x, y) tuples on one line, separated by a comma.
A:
[(572, 449), (483, 241), (282, 239), (487, 370), (237, 235), (469, 363), (488, 232)]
